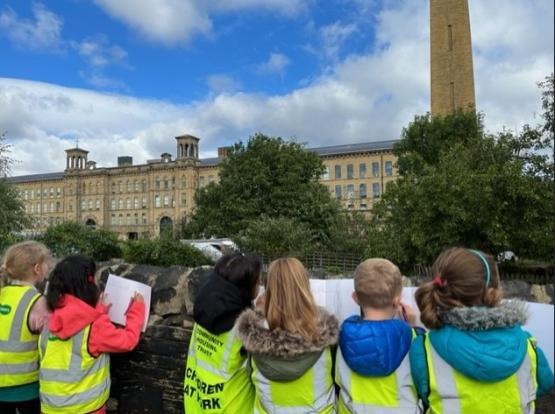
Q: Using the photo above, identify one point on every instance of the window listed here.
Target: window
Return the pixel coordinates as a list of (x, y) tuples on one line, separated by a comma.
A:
[(183, 199), (144, 202), (210, 178), (157, 201), (157, 183), (129, 186), (113, 188), (338, 192), (350, 191), (362, 191), (113, 204), (389, 168), (166, 201), (90, 204), (58, 206), (84, 188), (338, 171), (166, 183), (113, 220), (136, 216), (97, 187), (362, 170), (326, 173), (144, 185), (350, 171), (201, 181), (71, 207), (173, 183), (45, 208), (375, 169), (58, 192), (183, 182), (32, 208), (120, 203), (145, 221), (45, 193), (51, 191), (83, 205), (136, 203), (120, 219), (376, 190), (137, 185), (98, 204), (128, 203), (120, 187), (129, 219)]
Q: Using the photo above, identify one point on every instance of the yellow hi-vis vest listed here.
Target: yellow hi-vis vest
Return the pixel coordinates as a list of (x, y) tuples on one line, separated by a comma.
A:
[(394, 393), (313, 392), (216, 377), (72, 381), (454, 393), (19, 354)]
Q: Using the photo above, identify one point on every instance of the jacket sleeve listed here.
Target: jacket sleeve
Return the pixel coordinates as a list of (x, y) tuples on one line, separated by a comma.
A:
[(544, 374), (38, 316), (419, 368), (106, 337)]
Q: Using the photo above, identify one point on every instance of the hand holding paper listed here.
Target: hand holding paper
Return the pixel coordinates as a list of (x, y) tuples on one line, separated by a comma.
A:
[(121, 292)]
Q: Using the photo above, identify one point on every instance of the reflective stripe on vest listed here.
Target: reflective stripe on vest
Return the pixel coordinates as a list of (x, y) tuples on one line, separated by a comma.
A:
[(216, 378), (454, 393), (313, 392), (71, 380), (394, 393), (19, 353)]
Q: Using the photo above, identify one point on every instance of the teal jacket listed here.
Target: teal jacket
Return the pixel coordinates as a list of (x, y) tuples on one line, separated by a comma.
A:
[(485, 344)]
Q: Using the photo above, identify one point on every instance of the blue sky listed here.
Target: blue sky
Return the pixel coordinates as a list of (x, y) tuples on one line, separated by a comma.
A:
[(126, 76)]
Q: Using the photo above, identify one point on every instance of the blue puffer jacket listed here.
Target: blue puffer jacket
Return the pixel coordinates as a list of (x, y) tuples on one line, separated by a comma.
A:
[(374, 348), (485, 344)]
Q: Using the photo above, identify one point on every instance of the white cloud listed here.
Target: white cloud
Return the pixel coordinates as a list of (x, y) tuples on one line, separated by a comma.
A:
[(362, 98), (99, 53), (333, 36), (44, 32), (220, 83), (276, 64), (175, 22)]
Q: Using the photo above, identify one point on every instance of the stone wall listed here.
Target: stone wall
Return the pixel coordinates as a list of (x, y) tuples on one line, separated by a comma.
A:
[(149, 380)]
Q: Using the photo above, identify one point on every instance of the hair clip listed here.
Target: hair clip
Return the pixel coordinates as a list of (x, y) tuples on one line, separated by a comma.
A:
[(90, 278), (438, 281)]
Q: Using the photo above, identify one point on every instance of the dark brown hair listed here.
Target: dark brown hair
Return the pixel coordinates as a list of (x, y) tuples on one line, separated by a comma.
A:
[(459, 280)]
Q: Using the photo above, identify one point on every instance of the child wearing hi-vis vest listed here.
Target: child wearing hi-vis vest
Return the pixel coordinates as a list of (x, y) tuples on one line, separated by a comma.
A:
[(372, 366), (74, 347), (23, 313), (216, 377), (290, 345), (476, 358)]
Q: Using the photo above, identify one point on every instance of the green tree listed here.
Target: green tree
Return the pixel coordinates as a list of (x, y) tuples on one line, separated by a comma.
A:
[(275, 237), (265, 177), (469, 188), (163, 251)]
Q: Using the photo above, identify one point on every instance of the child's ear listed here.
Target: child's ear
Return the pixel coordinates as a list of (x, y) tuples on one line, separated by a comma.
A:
[(397, 301), (355, 298)]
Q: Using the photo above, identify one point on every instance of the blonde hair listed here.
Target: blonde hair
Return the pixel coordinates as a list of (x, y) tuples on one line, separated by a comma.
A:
[(289, 303), (19, 259), (377, 283), (459, 280)]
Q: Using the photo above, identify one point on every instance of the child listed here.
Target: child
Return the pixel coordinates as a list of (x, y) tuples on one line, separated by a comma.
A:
[(476, 358), (23, 314), (75, 365), (373, 366), (216, 377), (290, 345)]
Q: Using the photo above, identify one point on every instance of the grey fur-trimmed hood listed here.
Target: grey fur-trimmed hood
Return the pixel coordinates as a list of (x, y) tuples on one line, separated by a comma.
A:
[(253, 332), (480, 318)]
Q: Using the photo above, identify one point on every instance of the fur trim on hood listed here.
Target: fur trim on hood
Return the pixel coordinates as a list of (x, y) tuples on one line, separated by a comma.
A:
[(253, 332), (480, 318)]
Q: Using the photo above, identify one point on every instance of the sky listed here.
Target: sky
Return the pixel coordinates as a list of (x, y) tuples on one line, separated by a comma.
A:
[(124, 77)]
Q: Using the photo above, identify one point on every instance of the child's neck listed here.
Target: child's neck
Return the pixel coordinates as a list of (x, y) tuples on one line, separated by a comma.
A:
[(373, 314)]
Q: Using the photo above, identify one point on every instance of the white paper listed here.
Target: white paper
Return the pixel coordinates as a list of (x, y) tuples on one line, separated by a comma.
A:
[(336, 296), (119, 293)]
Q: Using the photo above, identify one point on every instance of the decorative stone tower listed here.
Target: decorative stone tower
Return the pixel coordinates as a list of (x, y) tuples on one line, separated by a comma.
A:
[(76, 159), (187, 147), (452, 74)]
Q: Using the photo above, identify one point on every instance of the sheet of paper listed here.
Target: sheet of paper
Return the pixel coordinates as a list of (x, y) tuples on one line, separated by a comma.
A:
[(119, 292)]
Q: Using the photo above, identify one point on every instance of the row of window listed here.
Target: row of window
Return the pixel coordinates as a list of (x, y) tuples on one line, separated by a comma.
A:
[(129, 219), (33, 208), (31, 194), (348, 191), (361, 170)]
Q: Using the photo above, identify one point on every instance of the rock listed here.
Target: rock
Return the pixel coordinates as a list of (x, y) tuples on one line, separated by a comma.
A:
[(539, 294), (406, 281), (196, 278), (516, 289)]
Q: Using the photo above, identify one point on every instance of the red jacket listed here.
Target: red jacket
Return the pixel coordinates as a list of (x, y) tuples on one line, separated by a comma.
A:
[(72, 315)]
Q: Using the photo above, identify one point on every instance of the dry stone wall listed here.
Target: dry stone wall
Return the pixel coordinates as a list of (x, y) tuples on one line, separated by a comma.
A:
[(149, 380)]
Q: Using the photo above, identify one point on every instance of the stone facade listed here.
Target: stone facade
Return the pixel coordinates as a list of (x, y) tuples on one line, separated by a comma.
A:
[(452, 75), (136, 200)]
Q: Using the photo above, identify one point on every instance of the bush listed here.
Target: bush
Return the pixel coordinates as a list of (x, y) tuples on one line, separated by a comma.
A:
[(74, 238), (163, 251), (275, 237)]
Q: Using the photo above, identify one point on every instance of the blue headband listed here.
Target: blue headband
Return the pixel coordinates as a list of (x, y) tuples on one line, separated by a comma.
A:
[(486, 265)]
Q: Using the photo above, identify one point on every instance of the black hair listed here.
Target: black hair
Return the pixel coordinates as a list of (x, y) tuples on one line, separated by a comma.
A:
[(242, 270), (74, 275)]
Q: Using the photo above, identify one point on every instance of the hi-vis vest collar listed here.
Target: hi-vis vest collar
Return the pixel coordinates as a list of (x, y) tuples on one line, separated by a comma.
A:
[(80, 385), (393, 394), (18, 345), (453, 393)]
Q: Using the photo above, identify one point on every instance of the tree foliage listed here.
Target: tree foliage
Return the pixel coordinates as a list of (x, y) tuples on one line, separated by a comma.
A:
[(75, 238), (163, 251), (461, 186), (265, 177)]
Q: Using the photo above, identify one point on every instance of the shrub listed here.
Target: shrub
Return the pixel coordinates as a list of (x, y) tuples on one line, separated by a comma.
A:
[(74, 238), (163, 251)]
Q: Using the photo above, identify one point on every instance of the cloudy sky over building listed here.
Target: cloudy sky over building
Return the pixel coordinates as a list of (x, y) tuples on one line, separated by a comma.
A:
[(126, 76)]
